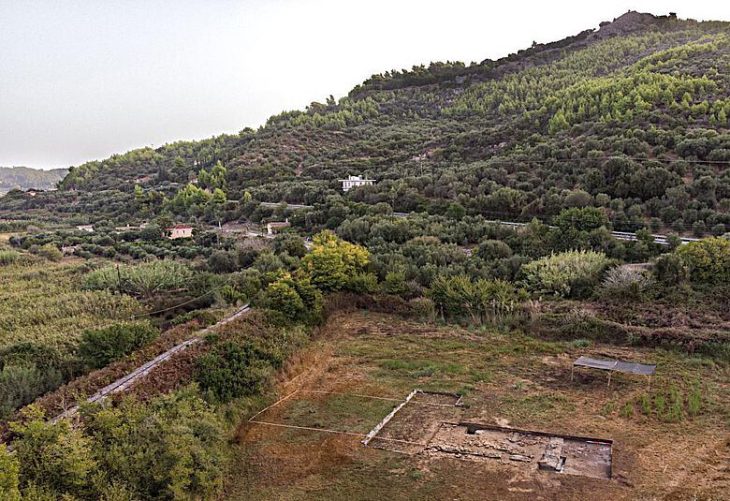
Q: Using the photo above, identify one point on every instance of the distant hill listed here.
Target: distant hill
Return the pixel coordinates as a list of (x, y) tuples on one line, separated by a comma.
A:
[(631, 117), (25, 178)]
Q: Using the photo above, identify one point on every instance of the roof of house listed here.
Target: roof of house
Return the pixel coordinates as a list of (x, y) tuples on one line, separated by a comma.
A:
[(280, 224), (181, 227)]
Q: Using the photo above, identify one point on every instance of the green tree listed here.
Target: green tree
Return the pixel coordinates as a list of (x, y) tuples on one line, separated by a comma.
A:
[(581, 219), (332, 261), (708, 260)]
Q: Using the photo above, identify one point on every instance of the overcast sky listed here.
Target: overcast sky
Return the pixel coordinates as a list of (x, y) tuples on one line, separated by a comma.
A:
[(82, 79)]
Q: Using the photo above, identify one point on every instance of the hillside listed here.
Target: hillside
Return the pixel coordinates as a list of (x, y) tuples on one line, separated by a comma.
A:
[(631, 118), (159, 339), (25, 178)]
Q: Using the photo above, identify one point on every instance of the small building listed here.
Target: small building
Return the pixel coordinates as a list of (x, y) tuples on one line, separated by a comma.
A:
[(276, 226), (86, 227), (355, 181), (180, 231)]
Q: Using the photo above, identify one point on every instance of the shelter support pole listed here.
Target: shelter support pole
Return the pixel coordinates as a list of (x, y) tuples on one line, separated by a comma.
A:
[(572, 368)]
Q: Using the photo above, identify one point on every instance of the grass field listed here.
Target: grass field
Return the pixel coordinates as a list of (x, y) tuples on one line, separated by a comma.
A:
[(671, 438)]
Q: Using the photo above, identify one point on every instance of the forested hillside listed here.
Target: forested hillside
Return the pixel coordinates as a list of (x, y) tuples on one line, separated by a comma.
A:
[(631, 118), (24, 178)]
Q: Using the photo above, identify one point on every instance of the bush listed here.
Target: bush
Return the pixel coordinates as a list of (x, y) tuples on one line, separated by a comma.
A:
[(234, 370), (395, 283), (480, 301), (423, 309), (670, 269), (9, 480), (8, 257), (708, 260), (222, 262), (50, 252), (28, 370), (333, 261), (296, 298), (492, 250), (626, 281), (98, 348), (363, 283), (289, 243), (569, 274)]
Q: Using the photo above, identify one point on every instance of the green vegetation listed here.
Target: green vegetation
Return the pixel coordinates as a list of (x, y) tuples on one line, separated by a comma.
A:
[(99, 347), (708, 261), (143, 280), (8, 257), (481, 301), (572, 273), (333, 262), (235, 370), (43, 314), (171, 448)]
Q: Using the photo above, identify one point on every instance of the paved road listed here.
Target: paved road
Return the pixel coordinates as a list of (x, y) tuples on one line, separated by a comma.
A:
[(619, 235)]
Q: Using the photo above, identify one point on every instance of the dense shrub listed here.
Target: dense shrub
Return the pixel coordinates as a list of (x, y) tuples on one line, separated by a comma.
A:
[(670, 269), (9, 476), (8, 257), (363, 283), (296, 298), (28, 370), (222, 262), (423, 308), (289, 243), (333, 261), (234, 370), (50, 252), (708, 260), (169, 448), (570, 274), (98, 348), (480, 301)]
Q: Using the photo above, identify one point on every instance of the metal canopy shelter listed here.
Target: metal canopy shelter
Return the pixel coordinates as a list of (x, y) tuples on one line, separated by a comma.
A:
[(614, 365)]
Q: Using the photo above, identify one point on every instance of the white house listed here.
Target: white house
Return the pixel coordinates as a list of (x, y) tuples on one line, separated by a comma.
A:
[(354, 182), (180, 231), (86, 227)]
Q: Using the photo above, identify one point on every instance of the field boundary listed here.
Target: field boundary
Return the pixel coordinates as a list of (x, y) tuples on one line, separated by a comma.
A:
[(140, 372)]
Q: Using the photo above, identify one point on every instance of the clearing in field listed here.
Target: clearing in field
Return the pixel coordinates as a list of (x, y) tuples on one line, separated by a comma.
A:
[(516, 400)]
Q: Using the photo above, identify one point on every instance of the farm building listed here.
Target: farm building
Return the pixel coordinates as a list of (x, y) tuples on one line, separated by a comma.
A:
[(180, 231), (276, 226)]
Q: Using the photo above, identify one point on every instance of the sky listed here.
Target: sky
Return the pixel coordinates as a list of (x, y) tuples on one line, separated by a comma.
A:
[(83, 79)]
